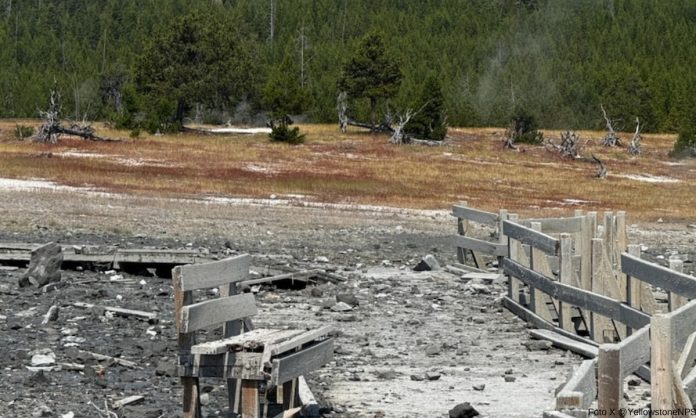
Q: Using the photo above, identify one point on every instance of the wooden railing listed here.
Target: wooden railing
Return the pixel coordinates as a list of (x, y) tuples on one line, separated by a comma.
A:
[(474, 247)]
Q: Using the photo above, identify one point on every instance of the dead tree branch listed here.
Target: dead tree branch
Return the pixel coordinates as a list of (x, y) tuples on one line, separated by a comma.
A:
[(611, 139), (602, 170), (634, 145), (569, 147), (399, 137), (342, 107), (509, 139)]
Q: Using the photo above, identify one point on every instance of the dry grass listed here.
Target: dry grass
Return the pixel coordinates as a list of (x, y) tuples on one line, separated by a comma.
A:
[(363, 168)]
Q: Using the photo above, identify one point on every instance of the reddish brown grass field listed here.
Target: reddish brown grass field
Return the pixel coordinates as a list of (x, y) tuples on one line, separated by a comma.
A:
[(362, 168)]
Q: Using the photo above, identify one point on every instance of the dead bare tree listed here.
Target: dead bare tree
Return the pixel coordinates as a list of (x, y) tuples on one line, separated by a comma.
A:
[(634, 145), (602, 170), (399, 137), (569, 147), (51, 128), (611, 139), (509, 139), (342, 107)]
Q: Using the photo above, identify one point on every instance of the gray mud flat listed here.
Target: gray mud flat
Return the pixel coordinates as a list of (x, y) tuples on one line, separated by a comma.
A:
[(416, 345)]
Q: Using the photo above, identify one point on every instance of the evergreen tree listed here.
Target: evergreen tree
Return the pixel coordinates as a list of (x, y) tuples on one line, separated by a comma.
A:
[(198, 58), (431, 120), (371, 74), (283, 95)]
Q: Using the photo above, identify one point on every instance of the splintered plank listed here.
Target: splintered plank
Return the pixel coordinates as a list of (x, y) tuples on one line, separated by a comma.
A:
[(216, 311), (295, 365), (252, 339)]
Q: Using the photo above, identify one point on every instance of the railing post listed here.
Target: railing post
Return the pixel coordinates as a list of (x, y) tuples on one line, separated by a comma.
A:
[(661, 379), (566, 277), (609, 379), (538, 262), (514, 248), (503, 215), (462, 228), (676, 301)]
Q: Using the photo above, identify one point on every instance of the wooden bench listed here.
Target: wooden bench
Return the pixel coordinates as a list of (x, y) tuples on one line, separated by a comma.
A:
[(253, 361)]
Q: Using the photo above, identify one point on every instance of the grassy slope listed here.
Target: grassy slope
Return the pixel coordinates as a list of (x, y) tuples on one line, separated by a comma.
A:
[(363, 168)]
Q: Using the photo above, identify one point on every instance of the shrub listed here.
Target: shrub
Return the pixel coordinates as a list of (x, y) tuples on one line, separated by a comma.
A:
[(22, 132), (281, 131), (135, 133), (686, 143), (525, 128)]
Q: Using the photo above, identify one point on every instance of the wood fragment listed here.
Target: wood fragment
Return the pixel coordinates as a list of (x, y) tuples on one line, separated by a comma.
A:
[(117, 360), (150, 316), (130, 400)]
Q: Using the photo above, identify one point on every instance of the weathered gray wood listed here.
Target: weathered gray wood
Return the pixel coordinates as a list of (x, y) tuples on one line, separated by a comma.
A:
[(578, 297), (515, 252), (584, 382), (635, 351), (251, 339), (297, 341), (130, 400), (216, 311), (535, 320), (661, 362), (687, 357), (475, 215), (485, 247), (307, 400), (676, 301), (216, 273), (682, 324), (556, 225), (609, 378), (557, 414), (150, 316), (539, 240), (304, 276), (690, 384), (681, 399), (585, 349), (295, 365), (659, 276), (565, 276), (538, 262)]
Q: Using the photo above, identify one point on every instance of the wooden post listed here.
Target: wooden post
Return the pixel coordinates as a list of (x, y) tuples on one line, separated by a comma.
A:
[(230, 329), (503, 215), (462, 228), (566, 277), (250, 399), (620, 243), (633, 284), (661, 379), (602, 330), (676, 301), (593, 224), (609, 379), (538, 262), (514, 250), (192, 407)]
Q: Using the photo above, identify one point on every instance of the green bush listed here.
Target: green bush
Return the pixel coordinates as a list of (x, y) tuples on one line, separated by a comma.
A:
[(135, 133), (22, 132), (525, 128), (281, 131), (686, 143)]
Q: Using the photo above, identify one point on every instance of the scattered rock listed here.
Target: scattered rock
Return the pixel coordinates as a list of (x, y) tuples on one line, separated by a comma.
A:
[(463, 410), (42, 357), (433, 349), (509, 378), (321, 259), (42, 411), (341, 307), (44, 266), (347, 298), (428, 263), (480, 387), (417, 377), (316, 292), (432, 375), (537, 345)]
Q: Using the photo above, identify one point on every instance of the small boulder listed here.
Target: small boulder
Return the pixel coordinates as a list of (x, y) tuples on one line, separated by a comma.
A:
[(348, 299), (463, 410), (428, 263), (480, 387), (341, 307), (44, 266)]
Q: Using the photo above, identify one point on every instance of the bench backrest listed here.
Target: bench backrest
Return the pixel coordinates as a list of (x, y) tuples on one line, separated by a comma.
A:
[(228, 308)]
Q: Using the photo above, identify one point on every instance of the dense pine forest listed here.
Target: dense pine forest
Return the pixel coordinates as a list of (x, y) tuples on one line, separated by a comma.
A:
[(559, 60)]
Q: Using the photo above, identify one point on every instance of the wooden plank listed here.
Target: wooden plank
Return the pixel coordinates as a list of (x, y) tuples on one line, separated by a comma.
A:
[(299, 275), (474, 215), (538, 262), (610, 380), (565, 276), (635, 351), (585, 349), (485, 247), (543, 242), (252, 339), (557, 414), (682, 325), (556, 225), (661, 362), (192, 406), (304, 338), (294, 365), (216, 311), (515, 252), (690, 384), (681, 400), (584, 382), (462, 229), (578, 297), (676, 301), (200, 276), (687, 357), (604, 273), (130, 400), (659, 276), (535, 320), (150, 316), (307, 400)]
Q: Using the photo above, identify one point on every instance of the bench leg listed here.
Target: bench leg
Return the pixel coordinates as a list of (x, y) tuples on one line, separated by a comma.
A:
[(250, 399), (289, 394), (234, 387), (192, 406)]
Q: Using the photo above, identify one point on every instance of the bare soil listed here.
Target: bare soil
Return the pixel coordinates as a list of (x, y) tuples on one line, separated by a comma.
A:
[(406, 324)]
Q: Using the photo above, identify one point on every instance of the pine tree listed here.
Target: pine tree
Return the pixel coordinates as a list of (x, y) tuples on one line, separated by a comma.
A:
[(431, 120), (371, 74)]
